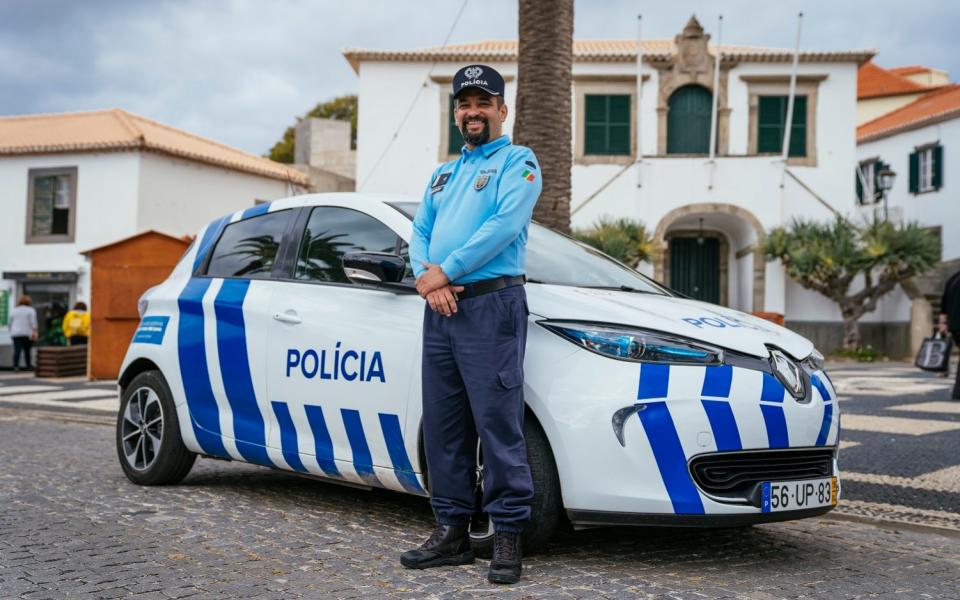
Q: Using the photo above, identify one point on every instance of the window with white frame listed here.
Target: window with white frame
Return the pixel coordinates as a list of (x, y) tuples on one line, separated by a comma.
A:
[(866, 178), (926, 169)]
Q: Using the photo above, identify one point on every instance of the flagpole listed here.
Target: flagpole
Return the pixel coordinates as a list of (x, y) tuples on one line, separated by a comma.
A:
[(790, 100), (639, 115), (716, 100)]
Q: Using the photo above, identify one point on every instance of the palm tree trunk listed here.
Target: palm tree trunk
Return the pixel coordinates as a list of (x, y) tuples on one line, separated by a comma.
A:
[(543, 102), (851, 329)]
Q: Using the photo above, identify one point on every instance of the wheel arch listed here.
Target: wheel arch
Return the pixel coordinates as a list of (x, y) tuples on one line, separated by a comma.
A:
[(528, 414), (140, 365)]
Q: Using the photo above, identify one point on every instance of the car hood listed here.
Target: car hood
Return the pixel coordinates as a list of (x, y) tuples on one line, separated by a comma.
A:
[(703, 321)]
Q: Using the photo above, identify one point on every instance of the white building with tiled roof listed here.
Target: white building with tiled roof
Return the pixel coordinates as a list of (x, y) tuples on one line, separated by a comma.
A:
[(75, 181), (707, 217)]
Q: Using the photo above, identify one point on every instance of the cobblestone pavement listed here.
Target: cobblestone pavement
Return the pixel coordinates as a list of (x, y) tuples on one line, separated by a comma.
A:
[(73, 526)]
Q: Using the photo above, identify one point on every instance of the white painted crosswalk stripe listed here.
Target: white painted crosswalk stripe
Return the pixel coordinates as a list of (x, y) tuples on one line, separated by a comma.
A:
[(900, 425), (26, 389), (80, 394), (945, 407)]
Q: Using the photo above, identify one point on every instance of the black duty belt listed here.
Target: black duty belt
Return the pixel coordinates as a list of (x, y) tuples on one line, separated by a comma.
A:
[(478, 288)]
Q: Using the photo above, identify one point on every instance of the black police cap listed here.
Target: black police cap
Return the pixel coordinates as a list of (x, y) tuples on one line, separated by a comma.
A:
[(480, 77)]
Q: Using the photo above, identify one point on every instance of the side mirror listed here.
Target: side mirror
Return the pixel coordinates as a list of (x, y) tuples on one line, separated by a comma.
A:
[(373, 267)]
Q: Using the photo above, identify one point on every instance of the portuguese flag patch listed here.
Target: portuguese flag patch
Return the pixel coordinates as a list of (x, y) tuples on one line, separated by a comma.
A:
[(528, 175)]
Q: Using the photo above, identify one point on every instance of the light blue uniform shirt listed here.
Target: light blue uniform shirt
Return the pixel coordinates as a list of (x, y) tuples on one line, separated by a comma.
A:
[(475, 212)]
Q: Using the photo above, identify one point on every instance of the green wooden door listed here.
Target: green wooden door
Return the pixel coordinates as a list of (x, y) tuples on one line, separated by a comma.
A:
[(688, 120), (695, 268)]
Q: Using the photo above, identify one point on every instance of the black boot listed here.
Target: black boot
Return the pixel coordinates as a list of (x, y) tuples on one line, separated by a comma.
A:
[(507, 559), (447, 545)]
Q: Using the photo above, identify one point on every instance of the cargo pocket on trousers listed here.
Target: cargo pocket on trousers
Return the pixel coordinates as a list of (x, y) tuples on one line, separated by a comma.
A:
[(510, 378)]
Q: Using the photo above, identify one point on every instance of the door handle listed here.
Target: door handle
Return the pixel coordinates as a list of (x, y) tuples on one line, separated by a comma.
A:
[(288, 317)]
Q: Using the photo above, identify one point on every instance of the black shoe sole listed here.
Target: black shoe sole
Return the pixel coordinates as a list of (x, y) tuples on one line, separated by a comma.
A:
[(454, 560), (502, 578)]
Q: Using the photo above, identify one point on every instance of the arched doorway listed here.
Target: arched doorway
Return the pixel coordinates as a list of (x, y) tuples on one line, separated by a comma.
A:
[(688, 120), (712, 252)]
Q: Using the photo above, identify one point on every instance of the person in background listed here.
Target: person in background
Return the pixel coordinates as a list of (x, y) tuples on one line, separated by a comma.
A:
[(949, 323), (76, 325), (23, 330)]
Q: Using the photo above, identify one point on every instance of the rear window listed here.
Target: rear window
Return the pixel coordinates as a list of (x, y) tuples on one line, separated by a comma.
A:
[(249, 248)]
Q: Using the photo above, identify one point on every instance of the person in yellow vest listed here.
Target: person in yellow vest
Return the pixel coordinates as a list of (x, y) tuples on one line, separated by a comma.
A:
[(76, 325)]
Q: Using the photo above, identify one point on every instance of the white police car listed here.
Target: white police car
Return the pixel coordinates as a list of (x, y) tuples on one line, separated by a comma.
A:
[(289, 336)]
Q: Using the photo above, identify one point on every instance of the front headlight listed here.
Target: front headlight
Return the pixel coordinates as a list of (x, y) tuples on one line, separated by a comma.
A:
[(815, 360), (635, 345)]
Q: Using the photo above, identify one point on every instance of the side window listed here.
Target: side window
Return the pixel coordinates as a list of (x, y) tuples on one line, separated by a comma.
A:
[(332, 232), (249, 248)]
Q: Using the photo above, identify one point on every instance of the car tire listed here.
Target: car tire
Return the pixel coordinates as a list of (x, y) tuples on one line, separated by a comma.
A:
[(149, 446), (547, 505)]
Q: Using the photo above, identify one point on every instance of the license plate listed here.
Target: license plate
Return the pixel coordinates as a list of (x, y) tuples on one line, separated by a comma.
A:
[(778, 496)]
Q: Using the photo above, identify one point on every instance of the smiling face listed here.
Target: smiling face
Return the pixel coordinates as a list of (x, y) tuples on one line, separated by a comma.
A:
[(479, 116)]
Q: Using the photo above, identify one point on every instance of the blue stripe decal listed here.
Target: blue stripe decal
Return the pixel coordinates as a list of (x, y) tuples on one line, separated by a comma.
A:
[(773, 390), (723, 424), (716, 382), (204, 414), (209, 236), (668, 452), (653, 381), (321, 440), (248, 425), (255, 211), (818, 383), (776, 423), (398, 453), (288, 436), (362, 461), (825, 426)]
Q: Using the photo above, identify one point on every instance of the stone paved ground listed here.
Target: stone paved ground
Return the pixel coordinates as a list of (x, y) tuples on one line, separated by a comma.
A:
[(72, 526)]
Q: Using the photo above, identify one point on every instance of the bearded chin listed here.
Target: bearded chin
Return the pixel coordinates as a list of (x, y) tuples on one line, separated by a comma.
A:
[(478, 139)]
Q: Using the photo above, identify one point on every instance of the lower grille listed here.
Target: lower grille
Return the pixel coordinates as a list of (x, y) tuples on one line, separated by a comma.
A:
[(735, 475)]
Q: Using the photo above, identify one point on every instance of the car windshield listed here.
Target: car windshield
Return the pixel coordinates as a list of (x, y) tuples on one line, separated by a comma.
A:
[(560, 260)]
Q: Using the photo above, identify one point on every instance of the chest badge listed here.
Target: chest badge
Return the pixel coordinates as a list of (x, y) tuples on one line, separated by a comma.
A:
[(481, 182)]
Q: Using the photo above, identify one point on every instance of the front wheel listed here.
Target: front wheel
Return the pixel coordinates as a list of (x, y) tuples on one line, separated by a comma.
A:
[(547, 504), (149, 445)]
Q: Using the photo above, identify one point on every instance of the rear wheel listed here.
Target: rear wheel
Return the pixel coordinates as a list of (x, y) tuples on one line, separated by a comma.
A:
[(149, 445), (547, 503)]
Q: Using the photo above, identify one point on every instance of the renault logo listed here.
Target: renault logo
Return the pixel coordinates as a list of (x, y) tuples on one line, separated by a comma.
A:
[(787, 372)]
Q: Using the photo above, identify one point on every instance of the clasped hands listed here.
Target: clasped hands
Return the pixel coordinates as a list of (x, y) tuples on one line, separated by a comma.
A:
[(435, 288)]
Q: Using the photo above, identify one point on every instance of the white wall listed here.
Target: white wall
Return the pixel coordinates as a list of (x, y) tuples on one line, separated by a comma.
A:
[(105, 211), (178, 197), (941, 207)]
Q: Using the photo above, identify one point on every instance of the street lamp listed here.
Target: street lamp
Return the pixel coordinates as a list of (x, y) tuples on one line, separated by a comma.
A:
[(885, 179)]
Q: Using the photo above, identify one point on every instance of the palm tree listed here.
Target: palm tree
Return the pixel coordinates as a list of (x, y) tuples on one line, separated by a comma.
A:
[(543, 102)]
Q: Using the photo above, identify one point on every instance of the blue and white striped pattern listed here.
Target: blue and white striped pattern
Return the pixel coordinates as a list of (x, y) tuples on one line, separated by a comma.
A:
[(230, 418), (741, 408)]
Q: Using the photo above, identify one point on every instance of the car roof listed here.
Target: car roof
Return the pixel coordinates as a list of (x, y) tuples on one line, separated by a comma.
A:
[(353, 199)]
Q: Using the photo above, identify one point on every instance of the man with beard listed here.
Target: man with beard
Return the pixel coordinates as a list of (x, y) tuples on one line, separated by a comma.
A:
[(467, 251)]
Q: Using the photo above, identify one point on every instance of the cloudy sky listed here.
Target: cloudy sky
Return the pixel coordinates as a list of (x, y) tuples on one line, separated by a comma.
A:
[(240, 71)]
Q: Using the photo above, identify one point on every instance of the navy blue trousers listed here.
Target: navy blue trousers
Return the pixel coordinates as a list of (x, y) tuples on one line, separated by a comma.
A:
[(473, 386)]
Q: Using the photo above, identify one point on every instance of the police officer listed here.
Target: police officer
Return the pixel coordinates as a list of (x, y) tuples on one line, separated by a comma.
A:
[(467, 251)]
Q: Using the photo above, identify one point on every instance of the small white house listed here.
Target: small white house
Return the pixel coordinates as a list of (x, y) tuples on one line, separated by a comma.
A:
[(74, 181), (707, 211), (920, 142)]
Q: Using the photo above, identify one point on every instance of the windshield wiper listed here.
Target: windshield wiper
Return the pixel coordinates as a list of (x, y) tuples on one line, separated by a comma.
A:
[(619, 288)]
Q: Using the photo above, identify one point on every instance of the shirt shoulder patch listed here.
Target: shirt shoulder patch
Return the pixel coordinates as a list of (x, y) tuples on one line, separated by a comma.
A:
[(530, 164)]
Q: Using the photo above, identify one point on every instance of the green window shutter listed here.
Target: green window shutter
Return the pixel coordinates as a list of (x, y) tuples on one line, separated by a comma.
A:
[(937, 167), (454, 137), (606, 124), (915, 173), (772, 123), (688, 120), (856, 175)]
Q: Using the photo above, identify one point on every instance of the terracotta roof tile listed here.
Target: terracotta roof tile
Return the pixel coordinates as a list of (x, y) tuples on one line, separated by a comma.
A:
[(874, 82), (939, 105), (116, 129), (590, 51)]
